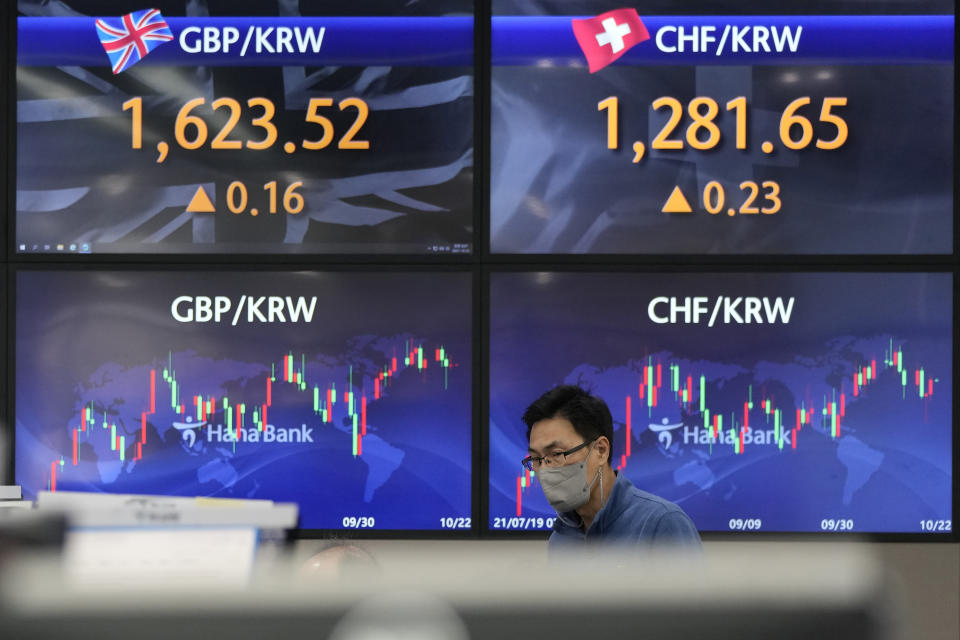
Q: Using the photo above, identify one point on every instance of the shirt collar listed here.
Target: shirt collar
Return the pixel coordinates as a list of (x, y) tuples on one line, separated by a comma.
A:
[(609, 512)]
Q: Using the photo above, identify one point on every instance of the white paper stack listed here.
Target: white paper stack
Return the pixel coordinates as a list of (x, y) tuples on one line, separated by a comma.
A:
[(161, 540), (11, 492), (11, 497)]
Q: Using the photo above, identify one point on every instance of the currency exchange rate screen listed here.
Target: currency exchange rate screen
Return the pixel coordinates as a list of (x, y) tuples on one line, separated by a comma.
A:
[(826, 128), (800, 402), (244, 126), (347, 393)]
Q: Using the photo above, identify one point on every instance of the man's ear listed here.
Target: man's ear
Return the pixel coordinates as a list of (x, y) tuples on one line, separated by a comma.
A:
[(603, 447)]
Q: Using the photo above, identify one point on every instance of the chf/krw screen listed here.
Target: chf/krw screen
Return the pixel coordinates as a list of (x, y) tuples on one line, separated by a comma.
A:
[(347, 393), (245, 126), (735, 127), (789, 402)]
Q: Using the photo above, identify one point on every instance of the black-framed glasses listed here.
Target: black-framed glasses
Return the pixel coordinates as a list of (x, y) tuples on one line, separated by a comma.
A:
[(533, 463)]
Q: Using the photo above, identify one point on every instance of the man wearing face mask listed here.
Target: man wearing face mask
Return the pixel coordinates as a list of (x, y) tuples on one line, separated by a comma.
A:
[(570, 435)]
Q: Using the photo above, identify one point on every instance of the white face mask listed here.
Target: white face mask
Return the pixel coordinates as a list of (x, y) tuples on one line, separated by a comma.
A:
[(567, 488)]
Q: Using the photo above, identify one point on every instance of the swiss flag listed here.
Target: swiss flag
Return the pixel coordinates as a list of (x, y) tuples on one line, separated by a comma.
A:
[(608, 36)]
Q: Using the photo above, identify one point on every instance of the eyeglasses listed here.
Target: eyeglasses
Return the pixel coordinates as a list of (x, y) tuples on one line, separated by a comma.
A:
[(558, 459)]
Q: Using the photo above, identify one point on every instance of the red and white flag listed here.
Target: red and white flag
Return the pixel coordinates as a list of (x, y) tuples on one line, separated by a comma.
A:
[(608, 36)]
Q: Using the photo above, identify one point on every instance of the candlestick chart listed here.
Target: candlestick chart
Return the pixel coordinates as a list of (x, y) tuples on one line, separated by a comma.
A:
[(787, 427), (340, 421)]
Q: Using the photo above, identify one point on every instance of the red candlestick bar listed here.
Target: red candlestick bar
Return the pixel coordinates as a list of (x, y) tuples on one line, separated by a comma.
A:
[(628, 426), (363, 415)]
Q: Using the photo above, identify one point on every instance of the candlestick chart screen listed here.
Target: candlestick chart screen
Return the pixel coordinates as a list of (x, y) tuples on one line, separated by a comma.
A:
[(813, 402), (735, 127), (226, 126), (348, 393)]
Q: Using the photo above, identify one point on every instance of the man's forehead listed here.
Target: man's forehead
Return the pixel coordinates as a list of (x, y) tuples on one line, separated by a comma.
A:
[(552, 430)]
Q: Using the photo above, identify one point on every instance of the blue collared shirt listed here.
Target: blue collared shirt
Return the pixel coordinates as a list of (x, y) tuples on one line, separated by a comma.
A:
[(629, 517)]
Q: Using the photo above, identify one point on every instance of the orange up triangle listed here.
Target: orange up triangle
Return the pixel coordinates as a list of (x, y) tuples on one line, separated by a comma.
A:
[(201, 203), (676, 203)]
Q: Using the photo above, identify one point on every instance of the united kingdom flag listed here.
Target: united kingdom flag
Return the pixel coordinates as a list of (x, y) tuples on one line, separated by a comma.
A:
[(128, 39)]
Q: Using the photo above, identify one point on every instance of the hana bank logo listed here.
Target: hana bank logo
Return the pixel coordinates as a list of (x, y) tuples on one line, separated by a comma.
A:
[(220, 433), (608, 36), (128, 39), (187, 432), (691, 433)]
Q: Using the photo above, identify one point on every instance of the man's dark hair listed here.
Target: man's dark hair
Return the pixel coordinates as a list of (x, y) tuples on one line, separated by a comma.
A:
[(588, 414)]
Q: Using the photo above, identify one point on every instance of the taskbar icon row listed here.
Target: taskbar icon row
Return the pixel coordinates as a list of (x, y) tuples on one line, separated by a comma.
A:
[(73, 247)]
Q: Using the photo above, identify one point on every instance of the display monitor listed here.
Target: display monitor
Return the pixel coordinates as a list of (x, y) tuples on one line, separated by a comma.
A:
[(242, 126), (722, 127), (774, 402), (348, 393)]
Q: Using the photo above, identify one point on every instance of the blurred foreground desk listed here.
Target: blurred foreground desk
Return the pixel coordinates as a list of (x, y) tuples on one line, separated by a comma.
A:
[(784, 592), (115, 541)]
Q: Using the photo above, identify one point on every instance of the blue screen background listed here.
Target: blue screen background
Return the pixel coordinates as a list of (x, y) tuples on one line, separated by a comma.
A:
[(91, 339), (888, 468)]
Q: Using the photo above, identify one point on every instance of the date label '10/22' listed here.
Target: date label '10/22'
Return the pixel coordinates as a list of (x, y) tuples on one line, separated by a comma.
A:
[(456, 523)]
